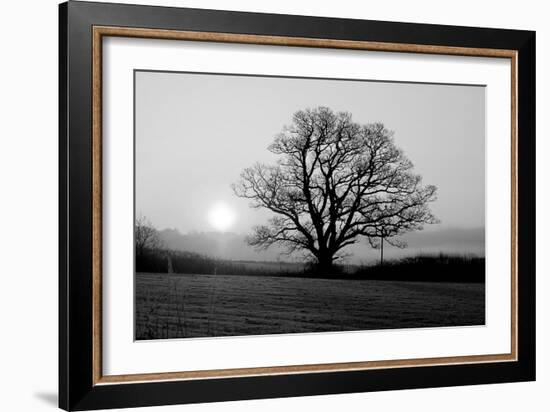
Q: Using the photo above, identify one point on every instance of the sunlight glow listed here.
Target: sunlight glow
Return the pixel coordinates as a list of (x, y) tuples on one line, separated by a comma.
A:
[(221, 217)]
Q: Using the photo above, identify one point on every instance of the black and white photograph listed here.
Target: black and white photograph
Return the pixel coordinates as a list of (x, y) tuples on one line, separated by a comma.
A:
[(275, 205)]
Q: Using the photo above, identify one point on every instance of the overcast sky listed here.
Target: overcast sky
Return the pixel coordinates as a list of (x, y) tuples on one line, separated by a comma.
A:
[(195, 133)]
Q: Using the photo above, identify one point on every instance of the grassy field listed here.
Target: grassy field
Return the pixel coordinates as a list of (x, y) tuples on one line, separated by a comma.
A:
[(183, 305)]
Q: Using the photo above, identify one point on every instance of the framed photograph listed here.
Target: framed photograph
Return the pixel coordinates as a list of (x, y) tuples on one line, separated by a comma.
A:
[(257, 205)]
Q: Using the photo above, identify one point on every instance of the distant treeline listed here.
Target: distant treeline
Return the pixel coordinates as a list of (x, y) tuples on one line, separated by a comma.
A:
[(438, 268), (429, 268)]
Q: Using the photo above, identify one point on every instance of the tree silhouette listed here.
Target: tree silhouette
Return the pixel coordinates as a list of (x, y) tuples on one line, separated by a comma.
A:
[(335, 181)]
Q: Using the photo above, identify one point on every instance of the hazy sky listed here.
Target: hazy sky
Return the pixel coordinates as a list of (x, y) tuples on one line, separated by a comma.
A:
[(195, 133)]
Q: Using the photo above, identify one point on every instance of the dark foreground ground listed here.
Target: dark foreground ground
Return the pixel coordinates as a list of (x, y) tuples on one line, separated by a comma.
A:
[(178, 305)]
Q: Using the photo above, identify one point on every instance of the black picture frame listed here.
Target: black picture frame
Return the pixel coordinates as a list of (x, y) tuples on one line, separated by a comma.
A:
[(77, 390)]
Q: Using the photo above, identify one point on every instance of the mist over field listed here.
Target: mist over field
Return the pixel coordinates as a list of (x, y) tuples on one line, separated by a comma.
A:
[(230, 245)]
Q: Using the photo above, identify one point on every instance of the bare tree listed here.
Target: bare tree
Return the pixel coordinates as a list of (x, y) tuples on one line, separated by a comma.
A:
[(146, 236), (335, 181)]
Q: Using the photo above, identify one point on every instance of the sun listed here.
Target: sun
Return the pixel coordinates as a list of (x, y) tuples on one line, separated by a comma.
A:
[(221, 217)]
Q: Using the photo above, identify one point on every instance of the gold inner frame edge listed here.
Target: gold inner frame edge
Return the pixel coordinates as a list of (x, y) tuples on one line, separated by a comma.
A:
[(98, 32)]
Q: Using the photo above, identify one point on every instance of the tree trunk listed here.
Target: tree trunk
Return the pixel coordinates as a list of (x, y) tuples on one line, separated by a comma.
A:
[(325, 264)]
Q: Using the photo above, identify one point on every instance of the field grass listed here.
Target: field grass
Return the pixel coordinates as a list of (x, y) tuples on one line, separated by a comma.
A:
[(191, 305)]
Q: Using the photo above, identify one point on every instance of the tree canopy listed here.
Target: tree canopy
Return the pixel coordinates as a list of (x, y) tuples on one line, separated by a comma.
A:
[(334, 182)]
